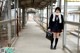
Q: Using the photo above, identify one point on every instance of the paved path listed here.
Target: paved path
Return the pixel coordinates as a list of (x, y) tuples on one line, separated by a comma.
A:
[(32, 40)]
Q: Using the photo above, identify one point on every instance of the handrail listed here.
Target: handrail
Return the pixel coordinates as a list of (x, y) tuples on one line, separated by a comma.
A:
[(7, 21), (74, 12), (72, 23), (76, 35)]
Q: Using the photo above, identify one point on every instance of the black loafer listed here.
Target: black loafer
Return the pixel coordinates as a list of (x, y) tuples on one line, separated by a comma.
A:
[(51, 47), (54, 48)]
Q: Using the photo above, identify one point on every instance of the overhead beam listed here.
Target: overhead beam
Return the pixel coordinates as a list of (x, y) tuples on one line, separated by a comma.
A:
[(35, 4), (48, 3), (38, 4)]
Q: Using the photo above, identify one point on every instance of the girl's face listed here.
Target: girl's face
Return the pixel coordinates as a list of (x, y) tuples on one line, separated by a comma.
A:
[(57, 11)]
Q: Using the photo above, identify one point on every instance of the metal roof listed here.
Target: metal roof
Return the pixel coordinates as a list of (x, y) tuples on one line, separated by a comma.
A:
[(35, 3)]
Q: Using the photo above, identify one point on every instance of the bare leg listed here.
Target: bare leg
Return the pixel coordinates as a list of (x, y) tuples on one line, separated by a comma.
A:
[(54, 35), (58, 34)]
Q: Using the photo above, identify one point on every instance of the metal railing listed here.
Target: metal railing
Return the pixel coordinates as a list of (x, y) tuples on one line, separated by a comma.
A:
[(76, 34), (7, 22)]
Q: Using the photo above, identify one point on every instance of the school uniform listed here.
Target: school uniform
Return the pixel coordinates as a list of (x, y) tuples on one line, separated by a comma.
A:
[(56, 25)]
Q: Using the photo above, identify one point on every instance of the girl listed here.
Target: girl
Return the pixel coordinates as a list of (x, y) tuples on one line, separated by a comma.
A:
[(56, 25)]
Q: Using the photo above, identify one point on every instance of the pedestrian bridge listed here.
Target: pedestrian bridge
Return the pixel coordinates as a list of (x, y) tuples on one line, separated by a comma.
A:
[(23, 25)]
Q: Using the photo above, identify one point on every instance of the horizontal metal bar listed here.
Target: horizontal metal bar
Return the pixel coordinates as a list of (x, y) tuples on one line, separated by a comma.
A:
[(74, 34), (78, 31), (74, 12), (72, 23), (7, 21)]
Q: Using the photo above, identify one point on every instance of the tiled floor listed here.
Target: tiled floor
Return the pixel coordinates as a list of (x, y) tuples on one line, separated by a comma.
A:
[(32, 40)]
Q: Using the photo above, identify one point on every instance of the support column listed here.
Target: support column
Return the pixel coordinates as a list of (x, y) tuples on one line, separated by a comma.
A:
[(65, 19), (59, 3), (41, 16), (27, 17), (23, 17), (47, 17), (51, 6), (20, 25), (17, 11), (15, 5), (49, 11), (9, 24)]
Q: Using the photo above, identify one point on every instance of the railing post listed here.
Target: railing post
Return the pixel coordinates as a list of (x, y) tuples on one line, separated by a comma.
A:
[(9, 24)]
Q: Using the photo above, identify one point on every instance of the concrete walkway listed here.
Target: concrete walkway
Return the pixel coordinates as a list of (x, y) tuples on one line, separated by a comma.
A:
[(32, 40)]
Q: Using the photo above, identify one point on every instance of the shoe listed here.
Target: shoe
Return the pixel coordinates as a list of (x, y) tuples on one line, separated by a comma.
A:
[(54, 48), (51, 47), (56, 41)]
